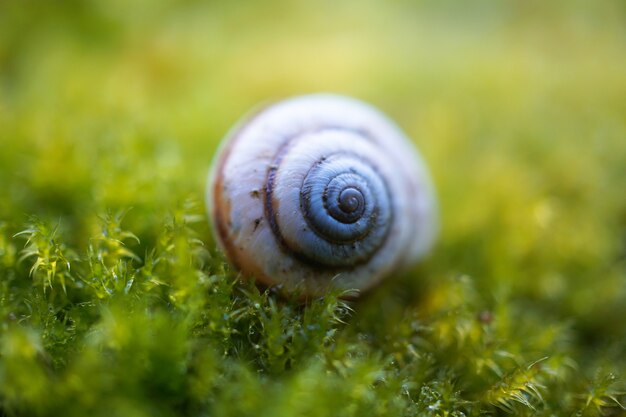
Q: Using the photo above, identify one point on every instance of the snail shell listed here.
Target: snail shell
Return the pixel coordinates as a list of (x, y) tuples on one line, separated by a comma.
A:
[(320, 190)]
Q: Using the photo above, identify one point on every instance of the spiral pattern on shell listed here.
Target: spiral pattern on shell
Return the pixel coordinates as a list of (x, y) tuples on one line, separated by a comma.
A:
[(318, 191)]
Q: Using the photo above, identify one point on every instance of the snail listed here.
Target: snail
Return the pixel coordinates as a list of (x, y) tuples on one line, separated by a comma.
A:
[(320, 191)]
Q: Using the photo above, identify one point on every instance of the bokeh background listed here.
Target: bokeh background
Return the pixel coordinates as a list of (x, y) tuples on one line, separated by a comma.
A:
[(519, 108)]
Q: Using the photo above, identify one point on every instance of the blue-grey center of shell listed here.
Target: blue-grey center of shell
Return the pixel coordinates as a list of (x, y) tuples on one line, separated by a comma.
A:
[(346, 203)]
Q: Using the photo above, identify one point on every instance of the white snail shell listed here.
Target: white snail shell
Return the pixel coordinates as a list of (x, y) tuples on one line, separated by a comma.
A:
[(319, 191)]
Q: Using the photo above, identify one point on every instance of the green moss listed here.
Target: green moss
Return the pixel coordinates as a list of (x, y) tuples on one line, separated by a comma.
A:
[(115, 301)]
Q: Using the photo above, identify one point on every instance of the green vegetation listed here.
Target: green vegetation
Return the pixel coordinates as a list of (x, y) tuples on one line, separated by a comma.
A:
[(114, 300)]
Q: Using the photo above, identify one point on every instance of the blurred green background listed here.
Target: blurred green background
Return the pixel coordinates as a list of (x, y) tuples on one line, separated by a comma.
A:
[(519, 108)]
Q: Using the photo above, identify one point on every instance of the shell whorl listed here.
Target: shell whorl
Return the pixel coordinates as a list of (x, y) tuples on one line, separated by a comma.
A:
[(320, 191), (343, 209)]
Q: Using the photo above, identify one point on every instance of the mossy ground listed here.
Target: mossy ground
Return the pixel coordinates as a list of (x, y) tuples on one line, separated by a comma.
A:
[(114, 300)]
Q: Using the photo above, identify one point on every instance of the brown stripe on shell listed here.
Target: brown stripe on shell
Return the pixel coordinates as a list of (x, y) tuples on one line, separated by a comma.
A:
[(222, 208), (269, 202)]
